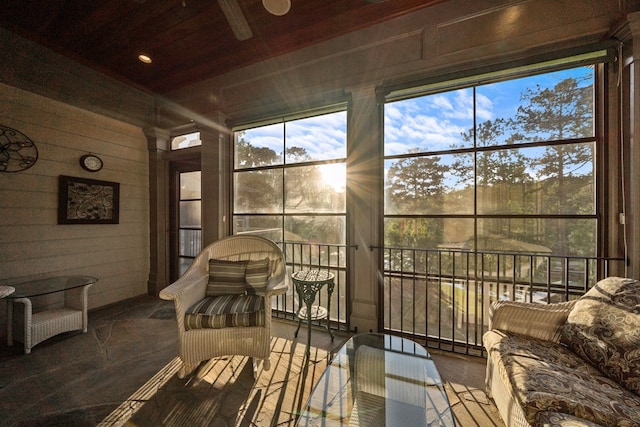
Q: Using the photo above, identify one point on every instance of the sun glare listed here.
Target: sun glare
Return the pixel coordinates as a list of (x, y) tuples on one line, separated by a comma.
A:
[(335, 175)]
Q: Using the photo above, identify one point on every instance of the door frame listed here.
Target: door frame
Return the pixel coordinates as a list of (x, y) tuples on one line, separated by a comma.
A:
[(176, 167)]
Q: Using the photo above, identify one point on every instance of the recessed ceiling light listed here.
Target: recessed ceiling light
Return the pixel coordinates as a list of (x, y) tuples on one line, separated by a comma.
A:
[(277, 7), (144, 58)]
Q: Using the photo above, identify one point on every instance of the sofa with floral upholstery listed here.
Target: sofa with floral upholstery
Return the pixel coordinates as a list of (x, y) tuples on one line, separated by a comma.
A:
[(568, 364)]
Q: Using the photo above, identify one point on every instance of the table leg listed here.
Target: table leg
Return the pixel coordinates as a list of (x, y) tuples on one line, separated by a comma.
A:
[(27, 313), (78, 299), (330, 286), (309, 306), (300, 301), (9, 323)]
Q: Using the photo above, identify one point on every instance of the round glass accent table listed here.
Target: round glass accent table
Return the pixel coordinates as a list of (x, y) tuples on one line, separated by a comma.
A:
[(307, 284)]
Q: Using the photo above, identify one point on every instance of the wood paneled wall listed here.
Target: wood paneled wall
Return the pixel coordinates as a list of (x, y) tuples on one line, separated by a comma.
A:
[(32, 244)]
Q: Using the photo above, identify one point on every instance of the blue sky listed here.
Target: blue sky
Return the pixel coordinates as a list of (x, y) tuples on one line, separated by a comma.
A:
[(436, 122), (431, 122), (323, 137)]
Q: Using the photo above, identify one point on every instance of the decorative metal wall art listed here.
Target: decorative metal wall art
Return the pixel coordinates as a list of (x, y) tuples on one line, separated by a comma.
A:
[(17, 151), (88, 201)]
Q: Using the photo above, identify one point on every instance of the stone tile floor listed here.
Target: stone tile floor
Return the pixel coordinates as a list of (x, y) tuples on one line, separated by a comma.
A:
[(80, 379)]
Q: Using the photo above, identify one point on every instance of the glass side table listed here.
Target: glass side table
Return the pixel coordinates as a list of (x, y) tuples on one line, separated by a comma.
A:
[(307, 284)]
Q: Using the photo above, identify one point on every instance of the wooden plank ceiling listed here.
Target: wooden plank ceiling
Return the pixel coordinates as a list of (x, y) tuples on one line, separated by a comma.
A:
[(188, 40)]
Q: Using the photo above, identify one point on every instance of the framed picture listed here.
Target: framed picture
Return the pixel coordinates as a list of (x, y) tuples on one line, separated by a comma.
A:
[(88, 201)]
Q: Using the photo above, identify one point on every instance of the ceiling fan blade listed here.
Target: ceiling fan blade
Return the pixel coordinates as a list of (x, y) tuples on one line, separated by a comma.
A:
[(236, 19)]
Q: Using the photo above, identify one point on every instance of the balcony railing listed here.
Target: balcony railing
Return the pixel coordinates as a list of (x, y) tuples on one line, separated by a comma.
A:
[(314, 256), (441, 297)]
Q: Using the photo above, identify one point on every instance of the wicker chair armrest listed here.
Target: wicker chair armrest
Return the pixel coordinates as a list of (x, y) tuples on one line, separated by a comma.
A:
[(276, 286), (185, 292), (542, 321)]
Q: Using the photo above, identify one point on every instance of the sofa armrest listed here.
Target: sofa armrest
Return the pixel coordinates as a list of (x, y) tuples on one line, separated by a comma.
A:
[(185, 292), (542, 321)]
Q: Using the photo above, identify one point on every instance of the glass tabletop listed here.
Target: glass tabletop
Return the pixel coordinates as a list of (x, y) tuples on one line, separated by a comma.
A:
[(49, 285), (379, 380)]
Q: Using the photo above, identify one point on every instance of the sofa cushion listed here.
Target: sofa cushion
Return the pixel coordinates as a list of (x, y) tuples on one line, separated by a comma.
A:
[(257, 276), (557, 419), (226, 311), (604, 329), (543, 376), (226, 277)]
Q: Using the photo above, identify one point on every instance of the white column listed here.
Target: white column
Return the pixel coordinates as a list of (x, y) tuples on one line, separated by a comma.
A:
[(364, 160), (157, 144), (216, 148)]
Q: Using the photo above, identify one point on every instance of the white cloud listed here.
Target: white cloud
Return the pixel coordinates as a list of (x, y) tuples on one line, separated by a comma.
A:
[(428, 123), (323, 137), (442, 102), (484, 108), (431, 122)]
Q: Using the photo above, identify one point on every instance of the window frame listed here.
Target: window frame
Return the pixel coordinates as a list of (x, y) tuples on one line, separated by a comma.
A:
[(454, 82), (284, 165)]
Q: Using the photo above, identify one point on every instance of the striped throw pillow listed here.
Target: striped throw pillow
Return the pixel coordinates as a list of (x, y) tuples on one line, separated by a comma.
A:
[(226, 277), (257, 276)]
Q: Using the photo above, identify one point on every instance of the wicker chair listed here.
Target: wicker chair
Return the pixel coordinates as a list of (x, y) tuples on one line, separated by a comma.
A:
[(200, 344)]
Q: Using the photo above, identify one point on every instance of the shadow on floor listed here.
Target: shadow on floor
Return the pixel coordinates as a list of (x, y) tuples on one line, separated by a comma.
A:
[(122, 372)]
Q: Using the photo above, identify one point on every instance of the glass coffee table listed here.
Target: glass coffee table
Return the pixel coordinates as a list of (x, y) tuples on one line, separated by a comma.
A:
[(31, 327), (379, 380)]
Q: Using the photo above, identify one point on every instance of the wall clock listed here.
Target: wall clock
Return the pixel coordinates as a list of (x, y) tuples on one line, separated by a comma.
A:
[(17, 151), (91, 162)]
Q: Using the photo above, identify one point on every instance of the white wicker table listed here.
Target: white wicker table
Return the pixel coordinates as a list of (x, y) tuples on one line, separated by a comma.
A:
[(33, 328)]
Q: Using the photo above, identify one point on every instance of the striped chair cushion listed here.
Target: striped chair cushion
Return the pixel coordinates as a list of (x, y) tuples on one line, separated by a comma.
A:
[(226, 277), (257, 276), (226, 311)]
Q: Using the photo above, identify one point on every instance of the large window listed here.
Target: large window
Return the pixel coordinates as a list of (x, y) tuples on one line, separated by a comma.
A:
[(289, 180), (489, 194), (505, 166), (289, 185)]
